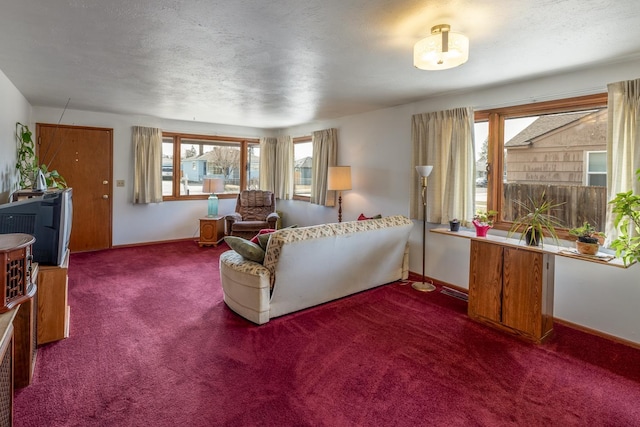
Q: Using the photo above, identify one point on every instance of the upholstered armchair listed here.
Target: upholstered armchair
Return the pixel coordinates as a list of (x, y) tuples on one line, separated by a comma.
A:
[(255, 210)]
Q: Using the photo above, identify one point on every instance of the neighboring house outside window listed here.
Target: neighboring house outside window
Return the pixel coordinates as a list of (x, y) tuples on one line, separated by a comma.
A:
[(230, 163), (303, 163), (556, 147)]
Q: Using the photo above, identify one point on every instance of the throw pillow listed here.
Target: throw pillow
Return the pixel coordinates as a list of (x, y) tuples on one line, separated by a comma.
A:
[(362, 217), (247, 249)]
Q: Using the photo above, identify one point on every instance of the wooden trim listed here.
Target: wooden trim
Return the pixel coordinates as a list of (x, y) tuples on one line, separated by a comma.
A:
[(300, 139), (597, 333), (554, 106), (157, 242), (209, 137)]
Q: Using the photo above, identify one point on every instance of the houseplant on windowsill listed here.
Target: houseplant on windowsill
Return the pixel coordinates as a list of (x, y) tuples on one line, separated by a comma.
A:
[(483, 221), (536, 219), (589, 239), (626, 210), (28, 165)]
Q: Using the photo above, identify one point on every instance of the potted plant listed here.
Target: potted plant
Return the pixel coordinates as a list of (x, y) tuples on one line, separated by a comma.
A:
[(535, 220), (28, 165), (483, 221), (589, 239), (626, 208)]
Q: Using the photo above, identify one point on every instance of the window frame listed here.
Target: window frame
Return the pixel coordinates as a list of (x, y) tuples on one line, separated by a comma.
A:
[(495, 149), (302, 140), (177, 138)]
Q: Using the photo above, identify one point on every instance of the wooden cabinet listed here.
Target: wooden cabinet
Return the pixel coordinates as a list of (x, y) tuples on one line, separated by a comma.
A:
[(511, 289), (53, 309), (25, 342), (211, 231), (6, 368)]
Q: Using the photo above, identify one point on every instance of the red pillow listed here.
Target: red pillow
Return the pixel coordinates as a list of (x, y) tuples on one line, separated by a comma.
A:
[(254, 239), (362, 217)]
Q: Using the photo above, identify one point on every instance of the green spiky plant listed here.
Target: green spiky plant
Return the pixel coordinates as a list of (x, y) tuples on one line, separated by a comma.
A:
[(626, 210), (537, 220)]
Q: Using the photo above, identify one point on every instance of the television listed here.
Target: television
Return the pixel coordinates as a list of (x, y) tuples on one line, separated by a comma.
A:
[(48, 218)]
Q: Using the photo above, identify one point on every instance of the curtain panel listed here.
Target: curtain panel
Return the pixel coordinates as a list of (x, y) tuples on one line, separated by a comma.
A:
[(284, 160), (623, 144), (268, 163), (147, 176), (276, 166), (444, 139), (325, 154)]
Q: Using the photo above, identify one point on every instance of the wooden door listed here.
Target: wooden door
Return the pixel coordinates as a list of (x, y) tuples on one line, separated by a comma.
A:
[(523, 271), (84, 157), (485, 281)]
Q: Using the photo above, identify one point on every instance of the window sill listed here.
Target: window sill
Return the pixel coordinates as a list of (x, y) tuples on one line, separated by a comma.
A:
[(548, 248)]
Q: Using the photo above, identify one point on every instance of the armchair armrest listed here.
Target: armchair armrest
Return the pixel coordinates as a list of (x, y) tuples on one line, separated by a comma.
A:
[(230, 219), (272, 219)]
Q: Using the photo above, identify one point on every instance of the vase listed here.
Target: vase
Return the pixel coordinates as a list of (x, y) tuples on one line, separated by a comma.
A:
[(454, 225), (481, 229)]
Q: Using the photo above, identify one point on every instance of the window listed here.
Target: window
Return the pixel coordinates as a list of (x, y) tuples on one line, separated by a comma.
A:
[(193, 166), (596, 168), (302, 167), (557, 148)]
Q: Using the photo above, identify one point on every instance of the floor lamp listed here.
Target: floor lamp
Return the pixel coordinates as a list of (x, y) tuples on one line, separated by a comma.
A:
[(339, 179), (424, 172)]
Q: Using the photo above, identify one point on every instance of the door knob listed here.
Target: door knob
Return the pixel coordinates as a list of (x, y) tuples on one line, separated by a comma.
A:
[(105, 196), (105, 182)]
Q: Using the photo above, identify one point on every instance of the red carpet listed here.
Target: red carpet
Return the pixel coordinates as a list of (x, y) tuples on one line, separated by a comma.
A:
[(152, 344)]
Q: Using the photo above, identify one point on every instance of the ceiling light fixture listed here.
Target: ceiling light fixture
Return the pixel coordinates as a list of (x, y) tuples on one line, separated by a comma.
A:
[(443, 49)]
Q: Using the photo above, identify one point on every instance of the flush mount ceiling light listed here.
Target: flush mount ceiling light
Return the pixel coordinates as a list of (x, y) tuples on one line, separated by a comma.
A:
[(443, 49)]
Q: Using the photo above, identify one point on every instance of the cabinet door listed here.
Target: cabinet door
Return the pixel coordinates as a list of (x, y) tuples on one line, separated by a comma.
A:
[(485, 281), (522, 290)]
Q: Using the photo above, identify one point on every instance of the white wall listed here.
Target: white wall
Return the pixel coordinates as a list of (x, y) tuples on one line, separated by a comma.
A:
[(377, 145), (153, 222), (13, 108)]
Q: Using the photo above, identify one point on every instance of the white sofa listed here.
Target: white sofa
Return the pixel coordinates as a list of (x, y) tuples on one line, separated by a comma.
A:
[(308, 266)]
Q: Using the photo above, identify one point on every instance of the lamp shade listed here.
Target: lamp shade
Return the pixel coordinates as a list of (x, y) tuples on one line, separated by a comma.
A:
[(443, 49), (213, 185), (424, 170), (339, 178)]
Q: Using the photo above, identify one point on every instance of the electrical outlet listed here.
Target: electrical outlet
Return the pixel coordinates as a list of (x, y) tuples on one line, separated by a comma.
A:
[(120, 183)]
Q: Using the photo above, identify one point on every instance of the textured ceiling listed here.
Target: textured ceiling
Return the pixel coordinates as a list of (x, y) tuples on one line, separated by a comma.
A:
[(273, 64)]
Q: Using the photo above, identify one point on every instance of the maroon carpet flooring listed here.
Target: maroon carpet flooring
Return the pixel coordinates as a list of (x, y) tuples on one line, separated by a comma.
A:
[(153, 344)]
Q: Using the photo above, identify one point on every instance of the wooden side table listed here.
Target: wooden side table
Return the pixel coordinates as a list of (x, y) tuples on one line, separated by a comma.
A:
[(211, 231)]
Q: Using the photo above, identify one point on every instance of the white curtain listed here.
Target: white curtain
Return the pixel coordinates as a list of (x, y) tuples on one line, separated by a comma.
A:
[(444, 139), (325, 154), (284, 160), (268, 163), (623, 143), (147, 177), (276, 166)]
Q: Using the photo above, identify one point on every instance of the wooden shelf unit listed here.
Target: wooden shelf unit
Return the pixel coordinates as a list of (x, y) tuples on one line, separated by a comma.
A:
[(511, 289), (53, 308)]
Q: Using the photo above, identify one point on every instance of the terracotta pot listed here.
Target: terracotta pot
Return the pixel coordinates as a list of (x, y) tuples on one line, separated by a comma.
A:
[(587, 248)]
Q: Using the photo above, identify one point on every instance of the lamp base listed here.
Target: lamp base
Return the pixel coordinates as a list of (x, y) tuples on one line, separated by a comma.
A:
[(423, 286)]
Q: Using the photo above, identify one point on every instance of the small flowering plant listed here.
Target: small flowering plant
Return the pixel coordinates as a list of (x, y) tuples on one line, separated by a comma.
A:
[(485, 217)]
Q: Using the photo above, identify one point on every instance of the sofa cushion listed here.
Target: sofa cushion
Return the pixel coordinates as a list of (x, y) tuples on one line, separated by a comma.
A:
[(247, 249), (262, 238)]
